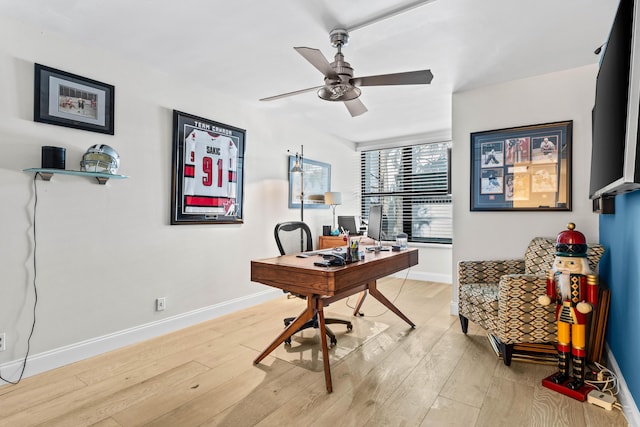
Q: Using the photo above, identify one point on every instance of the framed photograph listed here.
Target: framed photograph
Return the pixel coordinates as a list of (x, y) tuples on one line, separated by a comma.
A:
[(518, 150), (524, 168), (65, 99), (492, 181), (317, 180), (207, 178), (492, 154)]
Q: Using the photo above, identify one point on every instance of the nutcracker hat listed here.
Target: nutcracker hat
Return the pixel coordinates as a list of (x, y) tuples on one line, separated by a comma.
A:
[(571, 243)]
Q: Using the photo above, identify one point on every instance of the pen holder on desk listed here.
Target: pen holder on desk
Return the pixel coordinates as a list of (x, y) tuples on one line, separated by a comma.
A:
[(352, 250)]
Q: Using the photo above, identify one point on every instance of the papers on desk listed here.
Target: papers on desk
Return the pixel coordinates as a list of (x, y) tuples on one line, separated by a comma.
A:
[(342, 251)]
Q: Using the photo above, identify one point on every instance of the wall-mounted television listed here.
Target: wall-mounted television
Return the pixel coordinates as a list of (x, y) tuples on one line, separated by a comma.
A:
[(615, 160)]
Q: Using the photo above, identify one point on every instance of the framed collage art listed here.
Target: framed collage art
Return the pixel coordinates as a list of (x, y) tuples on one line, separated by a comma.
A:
[(207, 177), (523, 168)]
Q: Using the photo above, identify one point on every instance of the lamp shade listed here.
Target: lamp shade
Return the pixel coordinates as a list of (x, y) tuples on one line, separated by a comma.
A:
[(332, 198)]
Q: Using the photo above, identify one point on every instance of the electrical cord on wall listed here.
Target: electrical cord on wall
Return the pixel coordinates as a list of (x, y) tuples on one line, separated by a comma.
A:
[(35, 287)]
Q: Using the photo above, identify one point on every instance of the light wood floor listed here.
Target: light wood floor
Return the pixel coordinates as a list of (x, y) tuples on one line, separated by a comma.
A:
[(384, 374)]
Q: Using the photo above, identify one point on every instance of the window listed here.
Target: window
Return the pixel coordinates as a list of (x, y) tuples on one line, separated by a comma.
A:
[(413, 185)]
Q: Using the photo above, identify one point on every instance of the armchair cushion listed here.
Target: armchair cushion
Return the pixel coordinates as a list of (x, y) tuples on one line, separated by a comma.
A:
[(539, 257)]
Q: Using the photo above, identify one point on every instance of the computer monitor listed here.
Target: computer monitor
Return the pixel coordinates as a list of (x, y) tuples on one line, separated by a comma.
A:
[(374, 229), (350, 224)]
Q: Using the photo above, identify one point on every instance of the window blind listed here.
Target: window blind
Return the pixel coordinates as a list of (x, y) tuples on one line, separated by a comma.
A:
[(413, 185)]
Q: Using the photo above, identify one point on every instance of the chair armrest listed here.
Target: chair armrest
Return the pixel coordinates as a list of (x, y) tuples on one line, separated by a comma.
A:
[(487, 271), (521, 319), (524, 287)]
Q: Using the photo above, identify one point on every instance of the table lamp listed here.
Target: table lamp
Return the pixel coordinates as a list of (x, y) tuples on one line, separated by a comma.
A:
[(333, 198)]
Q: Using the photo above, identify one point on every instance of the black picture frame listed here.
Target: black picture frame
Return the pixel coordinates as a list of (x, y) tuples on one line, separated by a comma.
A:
[(208, 171), (526, 168), (69, 100)]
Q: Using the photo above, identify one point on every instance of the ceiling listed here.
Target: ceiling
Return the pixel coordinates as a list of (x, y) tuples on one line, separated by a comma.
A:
[(245, 48)]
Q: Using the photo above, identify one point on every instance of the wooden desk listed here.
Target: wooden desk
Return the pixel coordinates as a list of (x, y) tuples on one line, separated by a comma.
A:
[(326, 242), (325, 285)]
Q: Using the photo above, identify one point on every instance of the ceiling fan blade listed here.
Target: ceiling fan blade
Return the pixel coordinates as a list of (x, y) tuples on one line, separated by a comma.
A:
[(421, 77), (355, 107), (317, 59), (297, 92)]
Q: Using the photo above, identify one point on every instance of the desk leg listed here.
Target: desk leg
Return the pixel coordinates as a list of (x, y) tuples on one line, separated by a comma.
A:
[(361, 297), (373, 290), (302, 318), (325, 347)]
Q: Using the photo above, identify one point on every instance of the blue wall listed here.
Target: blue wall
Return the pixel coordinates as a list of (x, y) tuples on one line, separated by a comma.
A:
[(620, 268)]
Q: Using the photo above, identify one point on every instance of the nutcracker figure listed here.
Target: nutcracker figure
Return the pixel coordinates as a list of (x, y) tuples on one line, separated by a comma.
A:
[(574, 288)]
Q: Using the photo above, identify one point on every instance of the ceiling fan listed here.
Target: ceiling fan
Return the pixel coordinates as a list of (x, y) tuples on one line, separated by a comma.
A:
[(339, 83)]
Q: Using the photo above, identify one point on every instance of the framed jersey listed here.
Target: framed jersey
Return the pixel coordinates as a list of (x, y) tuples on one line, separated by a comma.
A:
[(207, 179)]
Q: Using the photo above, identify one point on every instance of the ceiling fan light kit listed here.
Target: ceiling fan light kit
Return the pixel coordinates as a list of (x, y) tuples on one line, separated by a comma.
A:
[(339, 83), (339, 92)]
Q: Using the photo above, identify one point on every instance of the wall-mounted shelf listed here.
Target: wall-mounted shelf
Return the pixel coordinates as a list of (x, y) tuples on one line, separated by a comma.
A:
[(102, 178)]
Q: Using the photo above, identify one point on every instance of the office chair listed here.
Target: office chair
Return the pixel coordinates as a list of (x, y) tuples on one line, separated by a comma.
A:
[(294, 237)]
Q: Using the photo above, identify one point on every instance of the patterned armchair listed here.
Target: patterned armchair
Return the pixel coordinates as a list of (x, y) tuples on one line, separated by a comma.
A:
[(502, 296)]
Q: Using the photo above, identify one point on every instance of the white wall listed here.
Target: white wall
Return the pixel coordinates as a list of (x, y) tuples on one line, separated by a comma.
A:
[(105, 253), (566, 95), (435, 263)]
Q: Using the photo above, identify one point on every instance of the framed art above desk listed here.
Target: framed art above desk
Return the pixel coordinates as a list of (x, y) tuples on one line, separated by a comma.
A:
[(317, 181)]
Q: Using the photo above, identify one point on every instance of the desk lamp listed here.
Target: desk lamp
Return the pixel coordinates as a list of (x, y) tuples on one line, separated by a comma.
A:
[(333, 198)]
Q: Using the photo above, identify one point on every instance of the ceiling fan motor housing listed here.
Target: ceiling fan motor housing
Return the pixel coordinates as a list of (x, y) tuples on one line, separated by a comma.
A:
[(340, 88)]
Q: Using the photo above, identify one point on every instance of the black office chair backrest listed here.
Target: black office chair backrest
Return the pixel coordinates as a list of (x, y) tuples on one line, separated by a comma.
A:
[(293, 237)]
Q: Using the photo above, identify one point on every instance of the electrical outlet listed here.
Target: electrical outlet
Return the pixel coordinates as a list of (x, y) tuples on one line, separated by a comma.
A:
[(3, 341), (161, 304)]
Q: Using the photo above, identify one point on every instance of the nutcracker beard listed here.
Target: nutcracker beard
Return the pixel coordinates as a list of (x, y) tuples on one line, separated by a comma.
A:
[(564, 285)]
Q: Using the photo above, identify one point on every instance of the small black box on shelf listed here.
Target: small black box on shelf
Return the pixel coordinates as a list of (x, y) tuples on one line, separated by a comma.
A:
[(53, 157)]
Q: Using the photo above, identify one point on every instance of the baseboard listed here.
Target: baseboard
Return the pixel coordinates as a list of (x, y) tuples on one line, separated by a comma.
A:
[(424, 276), (453, 308), (62, 356), (629, 406)]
